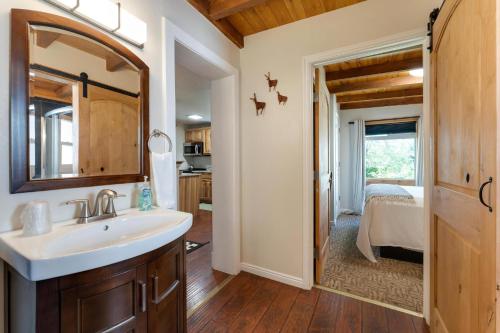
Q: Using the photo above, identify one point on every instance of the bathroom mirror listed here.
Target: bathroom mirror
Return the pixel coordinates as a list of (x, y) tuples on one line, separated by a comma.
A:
[(79, 106)]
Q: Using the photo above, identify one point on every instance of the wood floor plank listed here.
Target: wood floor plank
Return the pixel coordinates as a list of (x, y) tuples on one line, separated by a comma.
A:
[(250, 316), (374, 319), (253, 304), (207, 312), (420, 325), (274, 318), (325, 314), (200, 276), (399, 322), (349, 319), (231, 309), (302, 311)]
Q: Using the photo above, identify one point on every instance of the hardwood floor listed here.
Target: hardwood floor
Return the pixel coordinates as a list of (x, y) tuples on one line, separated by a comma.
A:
[(201, 278), (253, 304)]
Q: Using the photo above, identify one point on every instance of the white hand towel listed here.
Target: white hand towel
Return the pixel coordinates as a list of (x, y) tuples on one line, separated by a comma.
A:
[(163, 179)]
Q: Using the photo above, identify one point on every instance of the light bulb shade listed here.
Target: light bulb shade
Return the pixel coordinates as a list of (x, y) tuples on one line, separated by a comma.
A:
[(69, 4), (132, 28), (103, 12)]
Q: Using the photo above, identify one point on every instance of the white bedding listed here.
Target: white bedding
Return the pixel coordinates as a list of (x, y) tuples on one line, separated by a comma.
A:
[(387, 223)]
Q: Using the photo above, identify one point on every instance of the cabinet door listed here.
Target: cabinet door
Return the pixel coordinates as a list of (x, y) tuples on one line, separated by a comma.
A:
[(207, 141), (167, 292), (116, 304), (189, 136)]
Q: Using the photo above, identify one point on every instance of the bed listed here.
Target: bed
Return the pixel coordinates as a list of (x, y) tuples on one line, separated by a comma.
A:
[(389, 221)]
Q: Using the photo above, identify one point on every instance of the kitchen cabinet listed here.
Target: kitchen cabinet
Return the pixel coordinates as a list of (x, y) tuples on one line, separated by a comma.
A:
[(189, 193), (194, 135), (206, 188), (143, 294), (207, 141), (203, 135)]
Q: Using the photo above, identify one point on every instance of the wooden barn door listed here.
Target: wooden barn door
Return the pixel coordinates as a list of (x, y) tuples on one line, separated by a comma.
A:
[(322, 176), (464, 120)]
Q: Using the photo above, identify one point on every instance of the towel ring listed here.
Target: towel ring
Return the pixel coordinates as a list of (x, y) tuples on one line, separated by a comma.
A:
[(159, 134)]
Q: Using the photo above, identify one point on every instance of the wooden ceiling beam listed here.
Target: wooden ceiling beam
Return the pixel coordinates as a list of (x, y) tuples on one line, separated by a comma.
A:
[(382, 103), (45, 38), (376, 84), (383, 68), (223, 24), (380, 95), (219, 9)]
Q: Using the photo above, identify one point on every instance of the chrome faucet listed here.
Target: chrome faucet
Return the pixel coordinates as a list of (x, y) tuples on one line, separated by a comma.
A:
[(99, 213)]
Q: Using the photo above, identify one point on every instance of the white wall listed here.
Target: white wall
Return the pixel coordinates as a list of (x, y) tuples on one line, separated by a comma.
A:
[(150, 11), (271, 145), (346, 116)]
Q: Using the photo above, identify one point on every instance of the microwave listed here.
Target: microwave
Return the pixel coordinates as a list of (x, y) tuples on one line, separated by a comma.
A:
[(193, 148)]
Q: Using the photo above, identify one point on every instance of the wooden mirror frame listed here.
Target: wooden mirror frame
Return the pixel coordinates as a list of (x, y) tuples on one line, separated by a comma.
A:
[(19, 103)]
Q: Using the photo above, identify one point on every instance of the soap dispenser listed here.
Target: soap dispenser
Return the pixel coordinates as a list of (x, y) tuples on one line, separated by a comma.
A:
[(145, 196)]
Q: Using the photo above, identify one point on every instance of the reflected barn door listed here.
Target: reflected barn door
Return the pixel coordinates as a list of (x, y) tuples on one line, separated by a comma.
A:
[(104, 150), (322, 178), (463, 103)]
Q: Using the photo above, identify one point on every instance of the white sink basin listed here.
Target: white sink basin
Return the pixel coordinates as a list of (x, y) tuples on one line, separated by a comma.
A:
[(72, 248)]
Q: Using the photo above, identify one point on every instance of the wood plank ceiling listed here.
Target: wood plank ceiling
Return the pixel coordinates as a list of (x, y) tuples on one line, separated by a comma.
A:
[(382, 80), (240, 18)]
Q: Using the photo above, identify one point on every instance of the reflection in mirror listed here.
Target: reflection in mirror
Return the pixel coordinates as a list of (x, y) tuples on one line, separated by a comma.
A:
[(84, 110)]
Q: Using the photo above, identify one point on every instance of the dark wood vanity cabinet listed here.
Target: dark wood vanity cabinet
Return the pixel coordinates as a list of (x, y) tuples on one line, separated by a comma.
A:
[(142, 294)]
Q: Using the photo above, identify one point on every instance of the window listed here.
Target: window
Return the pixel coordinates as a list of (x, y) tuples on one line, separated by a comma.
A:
[(391, 151)]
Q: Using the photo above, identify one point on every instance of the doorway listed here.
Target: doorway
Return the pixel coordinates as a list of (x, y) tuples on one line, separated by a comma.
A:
[(351, 102), (202, 110)]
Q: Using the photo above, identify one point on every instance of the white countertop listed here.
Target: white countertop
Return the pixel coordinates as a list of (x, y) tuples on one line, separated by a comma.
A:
[(71, 248)]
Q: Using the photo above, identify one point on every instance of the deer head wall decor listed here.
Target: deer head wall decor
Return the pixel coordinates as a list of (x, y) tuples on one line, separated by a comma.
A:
[(282, 99), (272, 83), (259, 106)]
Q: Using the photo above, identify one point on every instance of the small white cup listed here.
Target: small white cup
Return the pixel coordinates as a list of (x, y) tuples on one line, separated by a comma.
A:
[(35, 218)]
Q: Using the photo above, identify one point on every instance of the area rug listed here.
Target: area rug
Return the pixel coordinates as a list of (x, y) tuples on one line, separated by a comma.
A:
[(388, 281), (193, 246)]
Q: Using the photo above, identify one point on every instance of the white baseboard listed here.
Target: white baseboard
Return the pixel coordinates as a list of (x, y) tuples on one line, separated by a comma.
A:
[(273, 275)]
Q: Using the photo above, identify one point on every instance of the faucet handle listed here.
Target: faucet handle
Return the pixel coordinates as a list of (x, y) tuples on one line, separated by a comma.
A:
[(110, 207), (85, 212)]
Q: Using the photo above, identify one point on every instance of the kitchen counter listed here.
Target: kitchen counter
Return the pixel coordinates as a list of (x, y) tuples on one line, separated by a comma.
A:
[(189, 175)]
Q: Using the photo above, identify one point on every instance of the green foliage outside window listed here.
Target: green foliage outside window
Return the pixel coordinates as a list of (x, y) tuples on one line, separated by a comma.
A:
[(390, 158)]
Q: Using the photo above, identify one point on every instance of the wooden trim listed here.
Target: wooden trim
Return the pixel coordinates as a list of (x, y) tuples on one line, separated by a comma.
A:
[(384, 68), (19, 102), (380, 95), (223, 25), (401, 182), (392, 121), (383, 102), (376, 84), (220, 9)]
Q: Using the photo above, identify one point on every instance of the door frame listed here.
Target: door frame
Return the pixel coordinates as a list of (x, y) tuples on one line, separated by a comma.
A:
[(226, 161), (369, 48)]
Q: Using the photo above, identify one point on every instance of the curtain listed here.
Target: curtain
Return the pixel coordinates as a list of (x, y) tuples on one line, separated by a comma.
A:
[(358, 165), (419, 159)]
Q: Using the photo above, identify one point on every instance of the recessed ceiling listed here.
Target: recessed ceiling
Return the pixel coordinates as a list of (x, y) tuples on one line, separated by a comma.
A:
[(192, 96), (382, 80), (239, 18)]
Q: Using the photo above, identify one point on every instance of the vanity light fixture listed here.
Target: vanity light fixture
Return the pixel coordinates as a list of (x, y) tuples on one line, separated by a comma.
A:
[(195, 117), (109, 16)]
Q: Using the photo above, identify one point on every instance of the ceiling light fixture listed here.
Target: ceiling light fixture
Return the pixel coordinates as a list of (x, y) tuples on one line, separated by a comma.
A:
[(417, 72), (109, 16), (195, 117)]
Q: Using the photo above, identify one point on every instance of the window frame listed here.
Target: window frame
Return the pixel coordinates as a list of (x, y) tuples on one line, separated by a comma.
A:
[(395, 181)]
